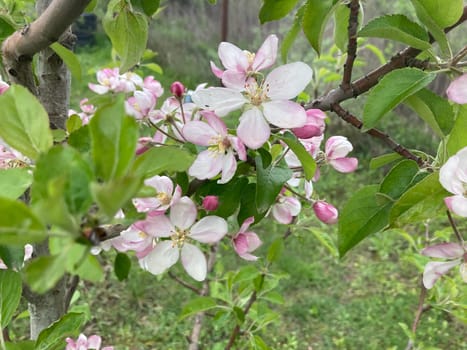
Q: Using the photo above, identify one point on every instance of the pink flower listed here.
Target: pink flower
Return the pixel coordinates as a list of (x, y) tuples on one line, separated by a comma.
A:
[(140, 104), (87, 111), (245, 241), (314, 125), (177, 89), (108, 79), (457, 90), (265, 103), (220, 154), (210, 203), (325, 212), (85, 343), (154, 86), (181, 227), (435, 269), (286, 208), (453, 177), (240, 64), (166, 195), (336, 149), (3, 86)]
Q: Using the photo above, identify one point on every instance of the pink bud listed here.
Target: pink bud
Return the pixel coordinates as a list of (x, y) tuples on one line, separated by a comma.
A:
[(210, 203), (314, 125), (325, 212), (177, 89)]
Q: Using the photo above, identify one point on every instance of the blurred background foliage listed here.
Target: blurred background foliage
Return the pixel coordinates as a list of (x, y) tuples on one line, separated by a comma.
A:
[(366, 300)]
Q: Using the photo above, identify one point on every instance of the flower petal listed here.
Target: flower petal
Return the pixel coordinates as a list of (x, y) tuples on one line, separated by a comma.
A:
[(155, 226), (234, 79), (232, 57), (457, 90), (435, 269), (229, 166), (163, 256), (284, 114), (344, 165), (221, 100), (183, 213), (253, 129), (281, 213), (194, 262), (199, 133), (209, 229), (207, 165), (287, 81), (216, 70), (448, 176), (457, 204), (267, 53), (444, 250)]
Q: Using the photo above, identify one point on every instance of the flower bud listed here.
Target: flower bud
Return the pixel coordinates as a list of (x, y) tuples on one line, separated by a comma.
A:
[(325, 212), (177, 89), (314, 125), (210, 203)]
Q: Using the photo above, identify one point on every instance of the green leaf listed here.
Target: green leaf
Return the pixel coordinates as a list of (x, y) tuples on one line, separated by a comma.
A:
[(399, 179), (24, 124), (150, 6), (7, 25), (19, 225), (11, 287), (13, 182), (434, 110), (12, 256), (361, 216), (91, 6), (422, 201), (154, 67), (291, 35), (275, 250), (122, 266), (22, 345), (270, 181), (70, 59), (42, 273), (113, 195), (428, 19), (275, 9), (128, 32), (315, 18), (73, 123), (457, 139), (444, 12), (274, 297), (383, 160), (308, 163), (197, 305), (53, 337), (113, 140), (399, 28), (392, 89), (161, 159), (248, 205), (246, 273)]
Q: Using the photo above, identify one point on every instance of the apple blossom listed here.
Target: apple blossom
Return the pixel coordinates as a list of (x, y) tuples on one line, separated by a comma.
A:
[(285, 208), (177, 89), (453, 177), (245, 242), (145, 142), (336, 149), (325, 212), (264, 103), (181, 226), (153, 86), (241, 64), (219, 157), (314, 125), (457, 90), (140, 104), (456, 254), (210, 203), (87, 111), (85, 343), (166, 195)]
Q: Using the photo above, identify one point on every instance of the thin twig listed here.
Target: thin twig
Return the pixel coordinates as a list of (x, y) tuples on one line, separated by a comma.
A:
[(420, 310), (454, 228), (183, 283), (354, 6)]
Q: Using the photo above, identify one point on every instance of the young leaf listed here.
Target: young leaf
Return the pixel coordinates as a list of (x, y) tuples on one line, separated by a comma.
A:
[(150, 6), (122, 266), (308, 163), (361, 216), (380, 161), (7, 26), (19, 225), (21, 345), (393, 88), (13, 182), (399, 28), (69, 58), (275, 250), (315, 18), (197, 305), (399, 179), (161, 159), (444, 12), (421, 201), (128, 32), (24, 124), (291, 35), (11, 287), (113, 140), (12, 256), (457, 139), (53, 337), (248, 206), (275, 9), (42, 273), (270, 181), (434, 110)]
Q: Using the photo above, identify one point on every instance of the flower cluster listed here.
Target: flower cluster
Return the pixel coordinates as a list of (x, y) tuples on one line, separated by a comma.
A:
[(85, 343)]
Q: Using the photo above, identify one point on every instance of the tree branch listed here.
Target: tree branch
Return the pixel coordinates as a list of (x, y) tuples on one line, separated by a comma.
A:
[(351, 46), (404, 58), (21, 46), (353, 120)]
